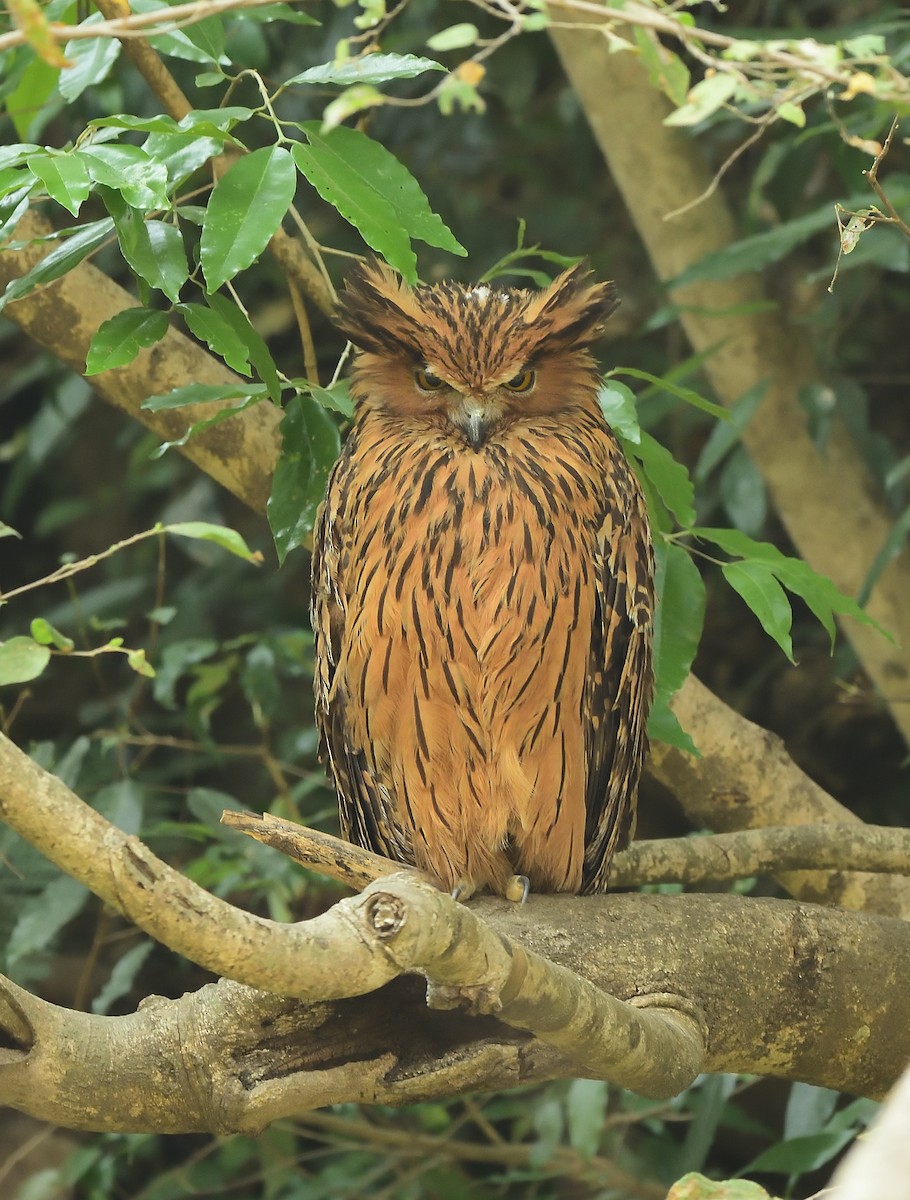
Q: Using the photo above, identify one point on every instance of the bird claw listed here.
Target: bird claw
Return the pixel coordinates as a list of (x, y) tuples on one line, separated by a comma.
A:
[(517, 889)]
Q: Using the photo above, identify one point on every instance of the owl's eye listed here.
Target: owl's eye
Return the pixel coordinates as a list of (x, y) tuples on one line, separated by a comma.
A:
[(522, 382), (427, 381)]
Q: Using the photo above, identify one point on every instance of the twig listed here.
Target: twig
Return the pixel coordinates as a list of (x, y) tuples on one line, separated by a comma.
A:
[(311, 848), (872, 176)]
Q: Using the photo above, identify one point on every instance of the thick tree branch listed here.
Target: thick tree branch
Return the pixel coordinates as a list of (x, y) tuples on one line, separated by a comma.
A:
[(400, 925), (820, 995), (829, 503), (744, 779)]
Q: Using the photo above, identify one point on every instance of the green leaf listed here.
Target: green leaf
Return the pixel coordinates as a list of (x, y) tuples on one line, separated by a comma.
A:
[(352, 100), (229, 539), (670, 478), (742, 491), (664, 726), (893, 545), (823, 596), (155, 251), (140, 664), (678, 622), (456, 37), (257, 351), (679, 617), (681, 393), (118, 340), (122, 977), (374, 192), (218, 334), (371, 68), (808, 1110), (181, 154), (192, 44), (8, 531), (67, 255), (617, 403), (43, 916), (865, 45), (92, 60), (796, 1156), (22, 659), (12, 206), (203, 393), (586, 1108), (693, 1186), (792, 113), (666, 70), (65, 178), (735, 542), (765, 596), (337, 398), (46, 635), (223, 414), (704, 99), (246, 207), (725, 435), (128, 170), (310, 446)]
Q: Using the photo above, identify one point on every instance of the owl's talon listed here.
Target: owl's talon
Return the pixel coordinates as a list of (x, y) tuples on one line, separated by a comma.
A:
[(463, 890), (517, 889)]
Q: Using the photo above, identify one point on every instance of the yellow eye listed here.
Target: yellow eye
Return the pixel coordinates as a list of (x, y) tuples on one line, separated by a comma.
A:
[(522, 382), (427, 381)]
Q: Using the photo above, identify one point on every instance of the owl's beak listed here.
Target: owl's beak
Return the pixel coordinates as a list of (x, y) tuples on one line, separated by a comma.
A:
[(474, 421)]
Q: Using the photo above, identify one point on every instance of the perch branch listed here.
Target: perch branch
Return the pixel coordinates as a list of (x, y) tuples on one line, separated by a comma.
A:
[(231, 1059), (717, 858), (323, 958), (655, 1046)]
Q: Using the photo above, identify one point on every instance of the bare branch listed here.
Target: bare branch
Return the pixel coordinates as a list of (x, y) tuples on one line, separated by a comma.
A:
[(724, 857)]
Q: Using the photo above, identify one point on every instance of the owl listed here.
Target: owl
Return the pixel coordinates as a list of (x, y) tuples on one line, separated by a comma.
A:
[(483, 589)]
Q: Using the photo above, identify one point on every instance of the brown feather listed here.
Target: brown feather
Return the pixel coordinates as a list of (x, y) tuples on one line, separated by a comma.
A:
[(483, 611)]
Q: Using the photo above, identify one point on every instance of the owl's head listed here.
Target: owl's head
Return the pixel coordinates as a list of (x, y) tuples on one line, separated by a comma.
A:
[(472, 356)]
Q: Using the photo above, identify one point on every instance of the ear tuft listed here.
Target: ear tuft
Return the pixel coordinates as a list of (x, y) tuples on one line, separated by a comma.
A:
[(376, 311), (571, 313)]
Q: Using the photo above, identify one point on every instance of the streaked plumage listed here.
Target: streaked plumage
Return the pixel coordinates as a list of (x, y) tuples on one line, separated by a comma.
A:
[(482, 589)]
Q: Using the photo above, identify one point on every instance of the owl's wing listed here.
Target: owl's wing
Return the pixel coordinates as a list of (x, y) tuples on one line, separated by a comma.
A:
[(365, 806), (619, 685)]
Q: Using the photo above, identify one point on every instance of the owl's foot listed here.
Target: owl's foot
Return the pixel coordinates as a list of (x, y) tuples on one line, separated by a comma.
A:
[(463, 890), (517, 889)]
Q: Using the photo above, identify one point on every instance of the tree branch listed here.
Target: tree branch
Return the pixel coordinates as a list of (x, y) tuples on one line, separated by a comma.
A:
[(746, 779), (717, 858)]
